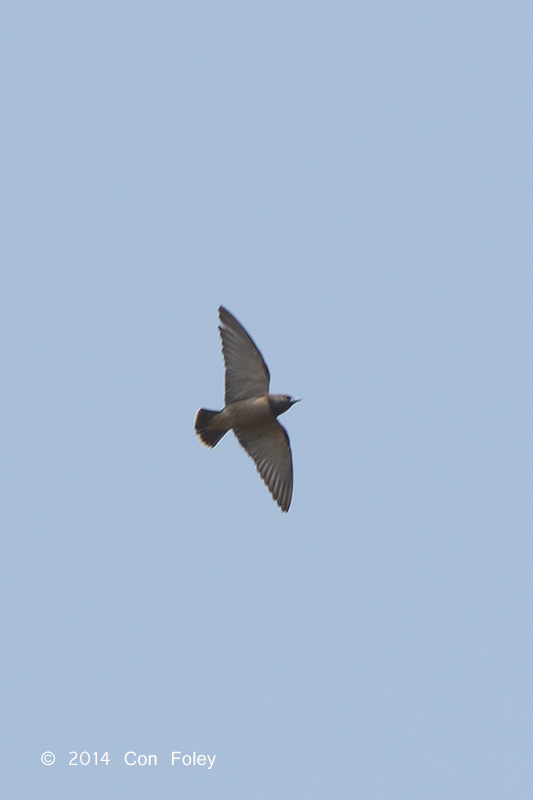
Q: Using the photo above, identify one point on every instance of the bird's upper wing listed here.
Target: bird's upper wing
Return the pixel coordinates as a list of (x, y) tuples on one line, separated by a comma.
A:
[(247, 374), (270, 449)]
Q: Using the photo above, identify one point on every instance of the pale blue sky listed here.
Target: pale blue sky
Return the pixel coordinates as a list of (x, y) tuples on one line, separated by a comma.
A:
[(353, 181)]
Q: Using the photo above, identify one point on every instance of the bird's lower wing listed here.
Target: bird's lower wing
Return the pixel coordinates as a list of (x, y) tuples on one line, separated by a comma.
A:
[(270, 449)]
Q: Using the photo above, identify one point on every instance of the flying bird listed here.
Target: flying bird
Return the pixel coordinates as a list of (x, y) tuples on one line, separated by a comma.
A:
[(250, 410)]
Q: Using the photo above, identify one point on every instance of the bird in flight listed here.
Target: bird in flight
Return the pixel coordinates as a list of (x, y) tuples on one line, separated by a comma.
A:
[(250, 410)]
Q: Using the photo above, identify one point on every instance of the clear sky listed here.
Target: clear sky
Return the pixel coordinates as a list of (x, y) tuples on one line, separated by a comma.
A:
[(354, 182)]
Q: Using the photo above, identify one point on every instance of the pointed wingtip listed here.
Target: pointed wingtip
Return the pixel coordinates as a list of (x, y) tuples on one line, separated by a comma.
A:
[(224, 315)]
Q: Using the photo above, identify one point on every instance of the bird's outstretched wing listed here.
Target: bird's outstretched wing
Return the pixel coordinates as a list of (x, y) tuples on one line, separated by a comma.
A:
[(270, 449), (247, 374)]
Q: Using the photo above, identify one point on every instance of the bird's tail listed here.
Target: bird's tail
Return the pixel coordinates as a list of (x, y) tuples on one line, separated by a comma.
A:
[(202, 421)]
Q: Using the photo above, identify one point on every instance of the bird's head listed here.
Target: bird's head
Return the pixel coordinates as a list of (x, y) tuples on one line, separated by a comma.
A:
[(279, 403)]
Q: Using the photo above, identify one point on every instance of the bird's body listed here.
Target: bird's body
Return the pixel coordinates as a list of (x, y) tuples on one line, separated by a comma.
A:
[(243, 413), (250, 411)]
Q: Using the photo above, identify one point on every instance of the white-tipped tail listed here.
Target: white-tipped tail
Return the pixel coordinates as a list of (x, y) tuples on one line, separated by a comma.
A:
[(202, 422)]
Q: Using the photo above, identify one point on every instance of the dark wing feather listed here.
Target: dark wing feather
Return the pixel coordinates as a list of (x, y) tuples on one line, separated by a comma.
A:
[(247, 374), (269, 447)]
